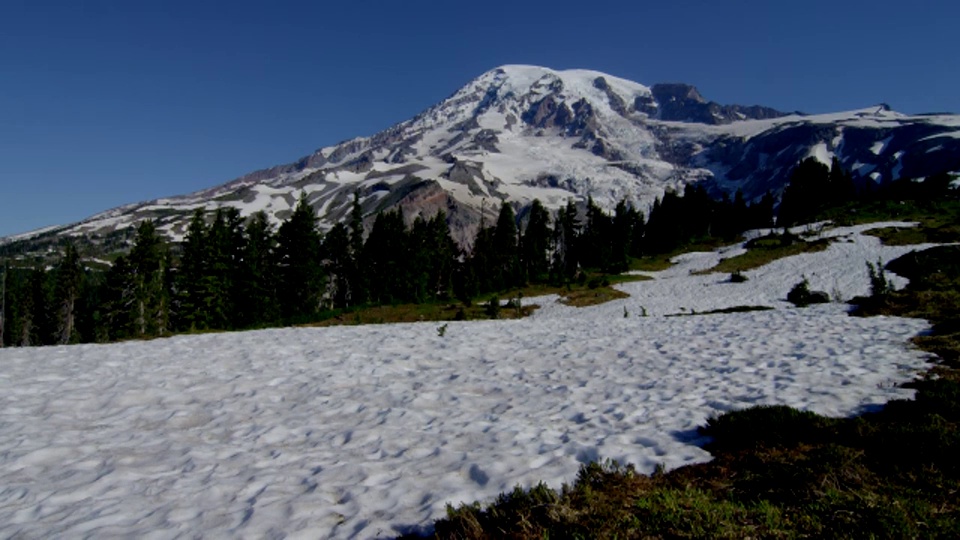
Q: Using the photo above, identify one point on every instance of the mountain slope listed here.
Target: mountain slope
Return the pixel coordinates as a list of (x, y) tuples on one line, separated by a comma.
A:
[(522, 132)]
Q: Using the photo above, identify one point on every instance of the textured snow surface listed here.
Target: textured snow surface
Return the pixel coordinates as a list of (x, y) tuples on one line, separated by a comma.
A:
[(359, 432)]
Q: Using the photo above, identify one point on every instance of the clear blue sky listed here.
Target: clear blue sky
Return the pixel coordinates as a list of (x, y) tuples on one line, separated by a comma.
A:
[(104, 103)]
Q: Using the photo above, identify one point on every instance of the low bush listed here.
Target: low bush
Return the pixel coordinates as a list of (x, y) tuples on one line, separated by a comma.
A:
[(801, 295)]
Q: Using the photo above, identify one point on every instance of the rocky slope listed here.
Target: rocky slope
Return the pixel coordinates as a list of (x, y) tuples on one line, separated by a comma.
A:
[(522, 132)]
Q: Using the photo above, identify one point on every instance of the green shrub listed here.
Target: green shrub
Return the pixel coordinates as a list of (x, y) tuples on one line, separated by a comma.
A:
[(801, 295), (765, 425), (492, 309), (879, 286)]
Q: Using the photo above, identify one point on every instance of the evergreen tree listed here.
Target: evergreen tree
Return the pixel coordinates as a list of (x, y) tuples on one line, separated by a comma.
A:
[(842, 189), (505, 253), (805, 193), (595, 240), (149, 262), (300, 271), (224, 250), (483, 261), (535, 243), (18, 306), (3, 302), (567, 232), (443, 256), (356, 281), (385, 260), (119, 301), (638, 229), (69, 279), (192, 312), (338, 264), (761, 213), (419, 261), (256, 303), (90, 308), (621, 236), (37, 327)]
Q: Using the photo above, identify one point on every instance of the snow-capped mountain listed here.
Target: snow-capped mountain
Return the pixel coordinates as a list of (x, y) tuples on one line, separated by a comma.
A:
[(517, 133)]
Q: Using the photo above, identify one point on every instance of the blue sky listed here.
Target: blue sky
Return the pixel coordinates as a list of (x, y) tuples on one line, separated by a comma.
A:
[(104, 103)]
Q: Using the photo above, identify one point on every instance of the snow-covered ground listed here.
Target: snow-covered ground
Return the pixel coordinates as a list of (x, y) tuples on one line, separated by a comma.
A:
[(359, 432)]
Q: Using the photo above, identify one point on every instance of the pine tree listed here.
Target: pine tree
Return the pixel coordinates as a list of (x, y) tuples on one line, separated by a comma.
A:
[(69, 279), (842, 188), (535, 244), (224, 247), (386, 259), (482, 262), (505, 252), (419, 261), (356, 275), (804, 195), (149, 262), (3, 302), (621, 237), (36, 326), (567, 232), (338, 264), (300, 271), (595, 240), (443, 256), (192, 312), (256, 303)]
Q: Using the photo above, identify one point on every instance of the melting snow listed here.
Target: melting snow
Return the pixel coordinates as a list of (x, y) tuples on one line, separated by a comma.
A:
[(357, 432)]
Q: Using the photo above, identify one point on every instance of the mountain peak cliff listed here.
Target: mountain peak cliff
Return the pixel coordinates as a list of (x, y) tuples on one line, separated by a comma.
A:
[(519, 132)]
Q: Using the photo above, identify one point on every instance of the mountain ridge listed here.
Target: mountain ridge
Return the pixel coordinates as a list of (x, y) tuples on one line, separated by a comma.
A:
[(521, 132)]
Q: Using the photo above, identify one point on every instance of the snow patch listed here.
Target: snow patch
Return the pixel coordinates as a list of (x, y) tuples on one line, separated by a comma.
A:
[(362, 431)]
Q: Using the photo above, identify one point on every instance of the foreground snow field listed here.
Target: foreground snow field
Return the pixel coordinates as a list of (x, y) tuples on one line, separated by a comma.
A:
[(359, 432)]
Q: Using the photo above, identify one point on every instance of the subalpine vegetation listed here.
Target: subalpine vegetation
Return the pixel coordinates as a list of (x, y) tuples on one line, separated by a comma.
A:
[(778, 472), (231, 273)]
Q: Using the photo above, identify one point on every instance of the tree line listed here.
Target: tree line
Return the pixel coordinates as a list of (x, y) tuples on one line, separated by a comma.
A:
[(233, 273)]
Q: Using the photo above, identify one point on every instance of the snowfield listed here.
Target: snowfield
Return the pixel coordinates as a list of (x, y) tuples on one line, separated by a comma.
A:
[(360, 432)]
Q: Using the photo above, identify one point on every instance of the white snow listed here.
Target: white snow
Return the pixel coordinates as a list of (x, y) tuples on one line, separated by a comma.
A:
[(821, 153), (359, 432), (898, 168), (879, 146)]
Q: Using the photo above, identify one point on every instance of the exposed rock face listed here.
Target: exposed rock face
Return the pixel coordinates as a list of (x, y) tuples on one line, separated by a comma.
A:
[(683, 103), (521, 132)]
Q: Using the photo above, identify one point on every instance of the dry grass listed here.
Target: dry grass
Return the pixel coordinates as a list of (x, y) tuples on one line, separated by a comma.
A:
[(592, 297), (762, 253)]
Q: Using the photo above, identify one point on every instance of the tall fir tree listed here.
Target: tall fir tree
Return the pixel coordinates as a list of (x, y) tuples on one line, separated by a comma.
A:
[(192, 309), (621, 236), (356, 275), (338, 265), (149, 263), (805, 193), (118, 295), (386, 260), (224, 247), (299, 263), (69, 279), (256, 303), (535, 244), (505, 249), (567, 242)]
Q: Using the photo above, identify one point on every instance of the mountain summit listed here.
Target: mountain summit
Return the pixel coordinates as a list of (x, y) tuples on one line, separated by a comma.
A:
[(517, 133)]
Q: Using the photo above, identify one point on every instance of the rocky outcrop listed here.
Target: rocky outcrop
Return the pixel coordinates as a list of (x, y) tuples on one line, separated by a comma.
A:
[(683, 103)]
